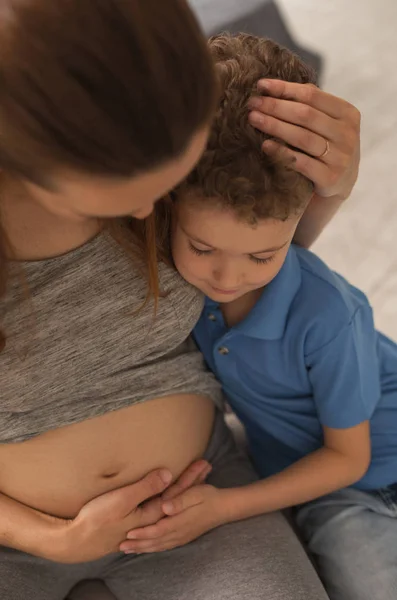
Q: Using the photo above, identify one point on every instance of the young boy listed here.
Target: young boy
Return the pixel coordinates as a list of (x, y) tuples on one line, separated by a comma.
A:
[(294, 346)]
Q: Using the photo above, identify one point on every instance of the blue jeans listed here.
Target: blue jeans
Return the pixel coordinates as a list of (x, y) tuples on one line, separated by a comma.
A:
[(352, 536)]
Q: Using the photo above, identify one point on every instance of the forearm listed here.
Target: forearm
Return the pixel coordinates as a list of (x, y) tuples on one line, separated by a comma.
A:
[(28, 530), (316, 475), (318, 214)]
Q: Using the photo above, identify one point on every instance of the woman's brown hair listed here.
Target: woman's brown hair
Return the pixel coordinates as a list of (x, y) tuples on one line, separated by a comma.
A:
[(106, 87)]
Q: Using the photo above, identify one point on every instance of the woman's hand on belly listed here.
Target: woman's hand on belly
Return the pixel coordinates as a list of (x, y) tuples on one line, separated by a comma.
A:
[(102, 523)]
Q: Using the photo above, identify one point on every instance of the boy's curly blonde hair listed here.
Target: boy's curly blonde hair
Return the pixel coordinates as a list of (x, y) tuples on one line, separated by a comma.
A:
[(234, 170)]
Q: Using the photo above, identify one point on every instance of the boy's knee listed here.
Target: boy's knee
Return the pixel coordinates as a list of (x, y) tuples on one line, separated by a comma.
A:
[(348, 558)]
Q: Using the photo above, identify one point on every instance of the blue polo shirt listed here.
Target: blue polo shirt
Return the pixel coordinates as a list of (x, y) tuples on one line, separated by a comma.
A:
[(306, 356)]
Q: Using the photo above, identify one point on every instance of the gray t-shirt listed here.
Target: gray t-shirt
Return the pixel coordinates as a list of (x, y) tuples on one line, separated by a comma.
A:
[(76, 347)]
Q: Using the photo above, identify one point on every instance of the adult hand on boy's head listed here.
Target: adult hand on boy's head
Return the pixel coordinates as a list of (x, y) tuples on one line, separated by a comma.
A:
[(325, 128)]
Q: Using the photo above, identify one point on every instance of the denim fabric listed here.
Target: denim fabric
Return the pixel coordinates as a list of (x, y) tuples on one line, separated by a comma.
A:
[(352, 536)]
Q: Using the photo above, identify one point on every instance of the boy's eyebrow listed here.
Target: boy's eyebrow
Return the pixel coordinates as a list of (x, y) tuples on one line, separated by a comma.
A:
[(196, 239), (274, 249)]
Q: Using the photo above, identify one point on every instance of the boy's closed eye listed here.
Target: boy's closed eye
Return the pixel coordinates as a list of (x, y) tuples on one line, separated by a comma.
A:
[(207, 251)]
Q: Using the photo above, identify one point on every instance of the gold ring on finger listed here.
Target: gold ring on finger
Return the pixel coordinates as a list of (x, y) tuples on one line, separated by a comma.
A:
[(324, 154)]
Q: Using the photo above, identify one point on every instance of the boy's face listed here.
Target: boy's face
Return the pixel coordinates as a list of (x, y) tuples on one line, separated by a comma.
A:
[(225, 257)]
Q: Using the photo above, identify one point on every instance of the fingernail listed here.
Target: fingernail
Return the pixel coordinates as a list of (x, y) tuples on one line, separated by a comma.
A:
[(256, 118), (264, 85), (165, 476), (254, 102), (168, 507), (269, 145)]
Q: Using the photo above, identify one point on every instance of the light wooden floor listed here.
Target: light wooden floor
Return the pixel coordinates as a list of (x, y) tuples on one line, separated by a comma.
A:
[(358, 39)]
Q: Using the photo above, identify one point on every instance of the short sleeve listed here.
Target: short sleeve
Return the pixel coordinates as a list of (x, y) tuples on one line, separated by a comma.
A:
[(344, 374)]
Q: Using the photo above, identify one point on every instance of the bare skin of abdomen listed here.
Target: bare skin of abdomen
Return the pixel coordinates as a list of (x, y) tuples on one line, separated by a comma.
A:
[(60, 471)]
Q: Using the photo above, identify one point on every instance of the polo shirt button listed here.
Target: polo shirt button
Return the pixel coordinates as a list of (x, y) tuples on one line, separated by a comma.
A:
[(223, 350), (212, 317)]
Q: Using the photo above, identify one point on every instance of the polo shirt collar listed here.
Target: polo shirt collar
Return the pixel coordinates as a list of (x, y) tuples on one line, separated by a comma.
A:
[(267, 320)]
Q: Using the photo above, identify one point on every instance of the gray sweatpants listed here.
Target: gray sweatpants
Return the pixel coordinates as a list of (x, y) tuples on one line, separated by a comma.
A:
[(259, 558)]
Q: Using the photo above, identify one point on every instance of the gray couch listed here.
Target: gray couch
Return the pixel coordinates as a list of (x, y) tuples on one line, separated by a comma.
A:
[(259, 17)]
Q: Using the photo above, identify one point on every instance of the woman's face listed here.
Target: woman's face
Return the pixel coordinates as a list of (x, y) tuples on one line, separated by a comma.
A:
[(80, 197)]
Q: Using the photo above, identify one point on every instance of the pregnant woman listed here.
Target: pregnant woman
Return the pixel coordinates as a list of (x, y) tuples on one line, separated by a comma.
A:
[(104, 107)]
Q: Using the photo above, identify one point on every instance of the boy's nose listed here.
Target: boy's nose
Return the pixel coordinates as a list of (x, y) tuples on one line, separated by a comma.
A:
[(227, 279)]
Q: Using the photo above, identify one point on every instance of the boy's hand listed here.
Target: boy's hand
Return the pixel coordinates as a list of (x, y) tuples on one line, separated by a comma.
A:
[(190, 515), (195, 474), (324, 127)]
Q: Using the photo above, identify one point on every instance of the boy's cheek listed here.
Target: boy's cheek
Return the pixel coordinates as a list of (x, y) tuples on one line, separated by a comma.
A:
[(189, 266), (176, 250), (182, 260), (189, 270)]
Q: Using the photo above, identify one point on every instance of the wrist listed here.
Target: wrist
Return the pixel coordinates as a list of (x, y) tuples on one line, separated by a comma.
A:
[(50, 539), (335, 200), (234, 504), (244, 502), (222, 509)]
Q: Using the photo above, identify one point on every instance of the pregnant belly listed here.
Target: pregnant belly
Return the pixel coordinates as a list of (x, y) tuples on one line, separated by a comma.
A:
[(60, 471)]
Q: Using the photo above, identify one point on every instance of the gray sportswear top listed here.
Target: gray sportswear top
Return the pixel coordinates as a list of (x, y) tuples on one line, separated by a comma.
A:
[(76, 349)]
